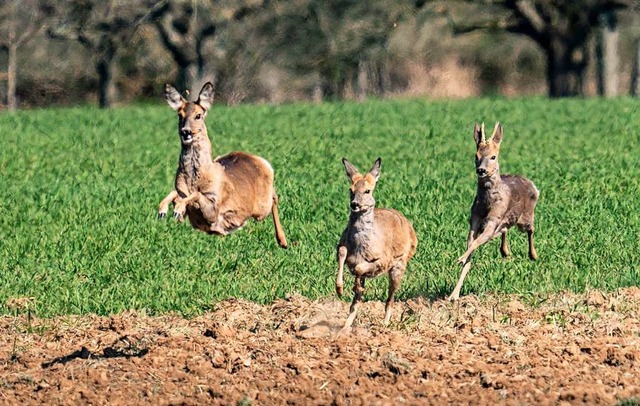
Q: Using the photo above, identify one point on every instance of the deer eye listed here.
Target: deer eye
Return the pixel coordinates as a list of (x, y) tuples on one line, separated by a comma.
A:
[(493, 158), (198, 116), (368, 191)]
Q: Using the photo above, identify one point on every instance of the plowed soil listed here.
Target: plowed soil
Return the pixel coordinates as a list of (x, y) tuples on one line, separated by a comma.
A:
[(558, 349)]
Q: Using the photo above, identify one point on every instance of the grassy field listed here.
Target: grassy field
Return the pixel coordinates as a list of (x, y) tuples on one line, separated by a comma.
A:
[(80, 189)]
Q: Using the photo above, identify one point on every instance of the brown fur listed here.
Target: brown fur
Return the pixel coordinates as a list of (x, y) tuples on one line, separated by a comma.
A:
[(376, 241), (501, 202), (217, 195)]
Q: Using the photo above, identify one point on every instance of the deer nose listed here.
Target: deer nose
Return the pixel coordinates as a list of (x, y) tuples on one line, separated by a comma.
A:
[(481, 171), (185, 131), (354, 206)]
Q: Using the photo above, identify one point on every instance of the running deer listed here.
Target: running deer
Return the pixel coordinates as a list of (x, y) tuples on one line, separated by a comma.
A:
[(375, 241), (217, 195), (501, 202)]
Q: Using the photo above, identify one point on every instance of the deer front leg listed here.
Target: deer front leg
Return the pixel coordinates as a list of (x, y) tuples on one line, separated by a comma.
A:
[(455, 295), (395, 277), (342, 256), (358, 290), (181, 206), (490, 231), (163, 207)]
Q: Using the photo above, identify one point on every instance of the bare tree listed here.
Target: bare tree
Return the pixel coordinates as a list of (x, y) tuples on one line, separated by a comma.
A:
[(341, 42), (20, 20), (607, 55), (186, 25), (103, 28), (561, 28)]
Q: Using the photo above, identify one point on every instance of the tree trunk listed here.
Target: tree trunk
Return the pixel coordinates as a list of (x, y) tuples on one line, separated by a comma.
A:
[(188, 77), (362, 89), (635, 72), (106, 88), (12, 69), (607, 55), (565, 69)]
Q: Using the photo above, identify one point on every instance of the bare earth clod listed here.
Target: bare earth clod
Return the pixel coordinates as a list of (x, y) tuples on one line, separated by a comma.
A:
[(557, 349)]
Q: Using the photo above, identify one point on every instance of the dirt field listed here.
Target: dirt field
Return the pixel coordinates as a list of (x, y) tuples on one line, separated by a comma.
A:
[(537, 350)]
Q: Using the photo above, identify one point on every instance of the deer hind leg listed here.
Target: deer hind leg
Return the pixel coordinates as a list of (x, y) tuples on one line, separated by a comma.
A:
[(280, 237), (504, 245), (163, 207), (527, 226), (358, 291), (341, 256), (395, 277), (533, 255)]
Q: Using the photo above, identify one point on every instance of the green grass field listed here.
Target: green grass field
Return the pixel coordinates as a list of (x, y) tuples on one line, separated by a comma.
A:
[(80, 189)]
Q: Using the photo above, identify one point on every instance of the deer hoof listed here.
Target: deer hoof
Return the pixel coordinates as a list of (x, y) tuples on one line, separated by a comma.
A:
[(177, 215), (339, 290), (161, 216), (461, 260)]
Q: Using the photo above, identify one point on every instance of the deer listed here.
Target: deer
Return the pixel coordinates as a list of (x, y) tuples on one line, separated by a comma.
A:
[(501, 202), (375, 241), (219, 195)]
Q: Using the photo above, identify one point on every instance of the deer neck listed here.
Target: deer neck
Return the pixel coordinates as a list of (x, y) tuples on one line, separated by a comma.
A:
[(196, 157), (361, 223), (489, 188)]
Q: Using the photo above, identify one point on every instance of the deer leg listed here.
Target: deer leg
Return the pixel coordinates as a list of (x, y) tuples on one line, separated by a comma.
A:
[(342, 256), (395, 277), (490, 231), (163, 207), (358, 290), (504, 245), (533, 255), (455, 295), (181, 205), (280, 237)]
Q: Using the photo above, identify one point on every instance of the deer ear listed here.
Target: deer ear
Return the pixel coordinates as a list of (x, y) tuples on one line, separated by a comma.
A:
[(205, 99), (174, 98), (375, 169), (478, 134), (497, 134), (351, 170)]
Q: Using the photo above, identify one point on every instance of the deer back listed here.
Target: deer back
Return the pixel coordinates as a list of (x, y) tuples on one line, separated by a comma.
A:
[(396, 236), (246, 184), (523, 195)]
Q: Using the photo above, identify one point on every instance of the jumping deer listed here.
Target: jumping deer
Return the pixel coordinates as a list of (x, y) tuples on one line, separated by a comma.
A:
[(501, 202), (217, 195), (376, 241)]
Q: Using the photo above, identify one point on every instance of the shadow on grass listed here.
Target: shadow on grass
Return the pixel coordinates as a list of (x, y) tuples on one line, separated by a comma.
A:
[(430, 293)]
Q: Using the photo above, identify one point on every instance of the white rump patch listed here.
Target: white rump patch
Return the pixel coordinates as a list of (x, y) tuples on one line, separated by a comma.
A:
[(266, 163)]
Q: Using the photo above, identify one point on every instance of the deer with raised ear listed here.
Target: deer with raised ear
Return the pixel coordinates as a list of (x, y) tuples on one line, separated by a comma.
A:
[(376, 241), (218, 195), (501, 202)]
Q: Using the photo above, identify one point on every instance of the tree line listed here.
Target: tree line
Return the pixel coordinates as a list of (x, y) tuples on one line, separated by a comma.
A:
[(325, 48)]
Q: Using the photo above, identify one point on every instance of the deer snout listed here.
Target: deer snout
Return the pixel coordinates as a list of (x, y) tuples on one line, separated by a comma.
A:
[(186, 135), (481, 171), (355, 206)]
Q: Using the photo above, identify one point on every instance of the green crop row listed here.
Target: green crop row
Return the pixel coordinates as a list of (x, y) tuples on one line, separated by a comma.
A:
[(80, 189)]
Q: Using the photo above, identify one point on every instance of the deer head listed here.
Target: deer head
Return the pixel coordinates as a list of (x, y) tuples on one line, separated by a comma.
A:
[(362, 186), (487, 151), (191, 115)]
